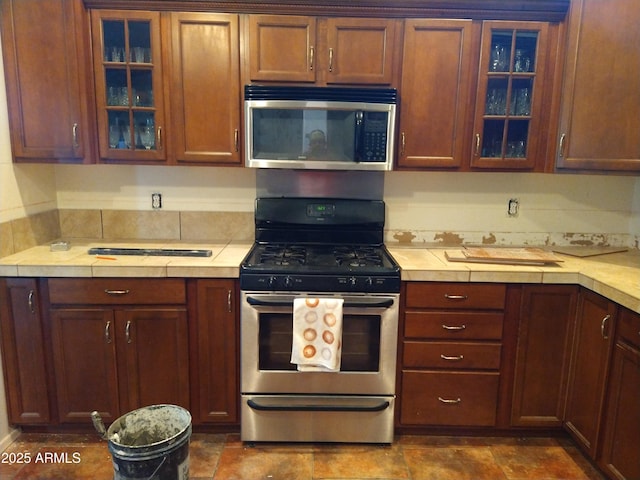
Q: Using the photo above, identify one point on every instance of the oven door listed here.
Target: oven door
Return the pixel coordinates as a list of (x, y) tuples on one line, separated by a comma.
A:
[(369, 345)]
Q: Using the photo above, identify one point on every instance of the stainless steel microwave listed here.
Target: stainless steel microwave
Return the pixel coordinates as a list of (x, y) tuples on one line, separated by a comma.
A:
[(322, 128)]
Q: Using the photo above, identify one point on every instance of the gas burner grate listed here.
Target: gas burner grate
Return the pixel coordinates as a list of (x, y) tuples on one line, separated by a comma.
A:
[(359, 256), (283, 255)]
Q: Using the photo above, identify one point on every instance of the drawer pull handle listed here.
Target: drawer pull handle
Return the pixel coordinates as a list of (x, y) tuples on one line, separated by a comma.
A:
[(116, 292), (450, 400), (229, 303), (455, 297), (455, 357), (454, 327), (127, 331)]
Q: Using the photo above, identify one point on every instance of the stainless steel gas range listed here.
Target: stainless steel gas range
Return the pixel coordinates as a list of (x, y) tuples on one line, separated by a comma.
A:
[(319, 250)]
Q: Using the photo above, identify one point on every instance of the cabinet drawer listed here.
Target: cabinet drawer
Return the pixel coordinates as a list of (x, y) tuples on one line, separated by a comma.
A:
[(121, 291), (454, 325), (449, 398), (451, 355), (629, 327), (456, 295)]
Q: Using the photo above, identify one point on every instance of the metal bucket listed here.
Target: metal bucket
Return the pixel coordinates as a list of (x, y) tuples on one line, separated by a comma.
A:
[(151, 443)]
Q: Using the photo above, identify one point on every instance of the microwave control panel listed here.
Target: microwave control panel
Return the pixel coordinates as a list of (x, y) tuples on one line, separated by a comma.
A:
[(374, 137)]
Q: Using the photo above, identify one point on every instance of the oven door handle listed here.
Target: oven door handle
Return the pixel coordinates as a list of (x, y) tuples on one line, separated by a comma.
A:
[(350, 303), (383, 405)]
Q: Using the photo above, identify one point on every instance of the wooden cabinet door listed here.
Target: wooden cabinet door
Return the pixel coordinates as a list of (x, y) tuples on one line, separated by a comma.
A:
[(599, 119), (622, 428), (216, 381), (205, 88), (589, 365), (153, 350), (84, 353), (128, 72), (23, 357), (43, 44), (436, 92), (542, 356), (282, 48), (360, 51), (508, 123)]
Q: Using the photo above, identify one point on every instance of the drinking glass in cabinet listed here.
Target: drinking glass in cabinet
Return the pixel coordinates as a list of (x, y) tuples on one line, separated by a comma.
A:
[(521, 61), (139, 41), (113, 40), (147, 136), (496, 100), (500, 51), (492, 141)]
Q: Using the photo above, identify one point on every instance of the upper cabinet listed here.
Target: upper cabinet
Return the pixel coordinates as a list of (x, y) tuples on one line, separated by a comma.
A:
[(508, 119), (129, 91), (600, 113), (323, 50), (152, 66), (511, 89), (435, 93), (47, 80), (205, 88)]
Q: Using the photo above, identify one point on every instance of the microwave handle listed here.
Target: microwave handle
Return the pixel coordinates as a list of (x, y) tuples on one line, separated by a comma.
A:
[(286, 301), (359, 133)]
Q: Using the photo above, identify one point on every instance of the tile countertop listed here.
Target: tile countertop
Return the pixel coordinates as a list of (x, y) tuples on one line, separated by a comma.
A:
[(615, 276), (40, 261)]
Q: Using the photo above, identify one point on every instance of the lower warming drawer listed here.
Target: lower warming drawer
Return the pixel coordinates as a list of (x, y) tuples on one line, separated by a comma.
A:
[(315, 418)]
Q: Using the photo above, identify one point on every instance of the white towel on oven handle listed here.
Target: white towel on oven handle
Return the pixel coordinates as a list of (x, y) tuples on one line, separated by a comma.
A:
[(317, 334)]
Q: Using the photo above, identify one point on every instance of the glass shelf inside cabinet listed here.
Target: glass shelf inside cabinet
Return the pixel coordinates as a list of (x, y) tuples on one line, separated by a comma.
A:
[(510, 81), (129, 92)]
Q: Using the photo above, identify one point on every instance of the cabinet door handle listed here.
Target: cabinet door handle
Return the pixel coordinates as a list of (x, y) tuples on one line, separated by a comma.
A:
[(450, 400), (561, 148), (454, 327), (451, 358), (107, 332), (236, 139), (331, 59), (160, 139), (30, 300), (229, 301), (402, 143), (603, 327), (116, 292), (74, 133), (312, 54), (455, 297), (127, 331), (477, 144)]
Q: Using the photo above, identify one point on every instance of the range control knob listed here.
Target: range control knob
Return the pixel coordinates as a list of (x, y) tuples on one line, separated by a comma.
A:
[(272, 281), (288, 282), (352, 281), (368, 281)]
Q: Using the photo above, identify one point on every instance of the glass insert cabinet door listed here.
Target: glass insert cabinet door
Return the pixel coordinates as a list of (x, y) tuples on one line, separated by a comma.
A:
[(127, 62), (508, 106)]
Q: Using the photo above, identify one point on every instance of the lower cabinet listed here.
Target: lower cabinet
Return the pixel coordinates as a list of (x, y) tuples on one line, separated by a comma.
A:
[(116, 351), (23, 352), (621, 430), (546, 318), (216, 383), (451, 354), (590, 353)]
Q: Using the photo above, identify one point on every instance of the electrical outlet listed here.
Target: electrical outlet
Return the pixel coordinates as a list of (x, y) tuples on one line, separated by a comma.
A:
[(512, 207), (156, 201)]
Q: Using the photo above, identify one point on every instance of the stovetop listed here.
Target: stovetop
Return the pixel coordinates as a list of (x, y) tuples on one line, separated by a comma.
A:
[(319, 245)]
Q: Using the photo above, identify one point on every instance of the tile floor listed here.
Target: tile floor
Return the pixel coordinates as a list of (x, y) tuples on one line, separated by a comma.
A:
[(225, 457)]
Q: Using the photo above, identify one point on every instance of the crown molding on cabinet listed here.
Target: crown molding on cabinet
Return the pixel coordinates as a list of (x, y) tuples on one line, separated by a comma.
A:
[(542, 10)]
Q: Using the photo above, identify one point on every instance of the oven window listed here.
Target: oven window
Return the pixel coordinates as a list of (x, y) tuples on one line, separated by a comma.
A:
[(360, 342)]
